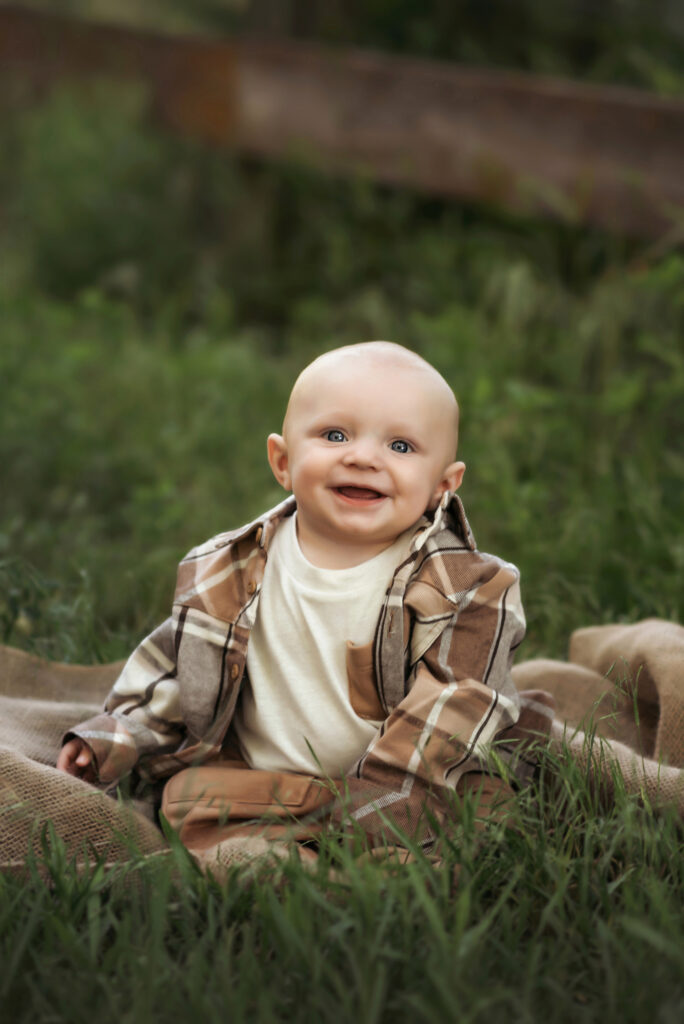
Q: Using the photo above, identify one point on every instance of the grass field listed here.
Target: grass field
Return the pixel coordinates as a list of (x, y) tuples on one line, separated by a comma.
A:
[(572, 914), (156, 303)]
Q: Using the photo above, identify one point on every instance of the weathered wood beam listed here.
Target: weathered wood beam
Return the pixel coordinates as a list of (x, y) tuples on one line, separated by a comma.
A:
[(602, 155)]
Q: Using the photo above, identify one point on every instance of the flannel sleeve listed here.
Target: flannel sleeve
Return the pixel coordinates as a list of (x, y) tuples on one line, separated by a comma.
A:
[(142, 714), (460, 697)]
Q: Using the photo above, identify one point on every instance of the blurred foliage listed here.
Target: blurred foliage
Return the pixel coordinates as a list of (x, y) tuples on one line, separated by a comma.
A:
[(636, 42), (158, 299)]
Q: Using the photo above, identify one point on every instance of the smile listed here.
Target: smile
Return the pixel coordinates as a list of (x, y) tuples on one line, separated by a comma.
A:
[(359, 494)]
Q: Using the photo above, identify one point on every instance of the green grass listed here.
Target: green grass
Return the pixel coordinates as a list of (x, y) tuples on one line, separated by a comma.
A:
[(566, 916), (156, 303)]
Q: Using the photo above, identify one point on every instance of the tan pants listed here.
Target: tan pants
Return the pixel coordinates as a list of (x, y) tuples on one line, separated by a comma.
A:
[(222, 799)]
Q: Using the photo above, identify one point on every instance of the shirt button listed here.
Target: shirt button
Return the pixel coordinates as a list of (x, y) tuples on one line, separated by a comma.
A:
[(234, 672), (259, 535), (251, 587)]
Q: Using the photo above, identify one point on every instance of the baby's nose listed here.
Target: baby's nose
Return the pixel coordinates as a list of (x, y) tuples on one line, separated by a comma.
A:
[(363, 452)]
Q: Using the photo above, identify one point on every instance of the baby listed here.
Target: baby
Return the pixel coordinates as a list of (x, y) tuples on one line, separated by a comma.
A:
[(353, 633)]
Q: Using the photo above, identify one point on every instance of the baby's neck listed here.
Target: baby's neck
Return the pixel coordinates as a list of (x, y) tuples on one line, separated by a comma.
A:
[(338, 556), (329, 554)]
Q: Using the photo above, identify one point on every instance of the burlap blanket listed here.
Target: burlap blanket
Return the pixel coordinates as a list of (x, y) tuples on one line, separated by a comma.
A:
[(619, 714)]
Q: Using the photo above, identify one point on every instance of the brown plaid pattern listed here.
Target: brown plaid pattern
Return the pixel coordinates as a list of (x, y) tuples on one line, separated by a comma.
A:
[(440, 669)]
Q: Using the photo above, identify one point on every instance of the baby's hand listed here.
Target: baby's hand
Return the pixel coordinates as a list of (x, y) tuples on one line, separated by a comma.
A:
[(76, 758)]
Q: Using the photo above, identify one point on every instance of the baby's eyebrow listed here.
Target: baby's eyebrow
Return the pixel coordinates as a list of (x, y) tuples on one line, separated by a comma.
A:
[(339, 420), (404, 433), (326, 416), (329, 423)]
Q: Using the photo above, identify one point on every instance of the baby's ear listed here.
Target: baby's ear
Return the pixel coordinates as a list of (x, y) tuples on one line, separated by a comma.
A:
[(278, 460), (450, 481)]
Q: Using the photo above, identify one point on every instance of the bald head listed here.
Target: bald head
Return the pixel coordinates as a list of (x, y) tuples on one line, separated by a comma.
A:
[(383, 360)]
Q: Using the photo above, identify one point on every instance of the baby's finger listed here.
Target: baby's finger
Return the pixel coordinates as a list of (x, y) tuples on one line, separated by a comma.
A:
[(85, 757), (67, 755)]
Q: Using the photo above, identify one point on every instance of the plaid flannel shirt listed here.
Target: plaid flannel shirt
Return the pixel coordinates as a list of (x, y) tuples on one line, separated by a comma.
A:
[(437, 672)]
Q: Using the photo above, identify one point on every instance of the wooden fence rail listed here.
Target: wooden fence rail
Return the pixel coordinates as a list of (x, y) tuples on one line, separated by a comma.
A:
[(603, 155)]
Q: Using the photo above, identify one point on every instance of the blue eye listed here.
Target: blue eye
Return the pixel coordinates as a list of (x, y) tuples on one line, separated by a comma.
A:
[(335, 435), (401, 446)]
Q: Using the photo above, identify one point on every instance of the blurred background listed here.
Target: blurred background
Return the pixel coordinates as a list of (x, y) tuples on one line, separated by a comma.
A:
[(159, 295)]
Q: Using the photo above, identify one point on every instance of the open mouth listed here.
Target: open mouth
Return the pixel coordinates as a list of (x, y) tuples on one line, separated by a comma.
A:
[(359, 493)]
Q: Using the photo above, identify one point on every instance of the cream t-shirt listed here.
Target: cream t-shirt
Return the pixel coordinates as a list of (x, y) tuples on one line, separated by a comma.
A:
[(295, 714)]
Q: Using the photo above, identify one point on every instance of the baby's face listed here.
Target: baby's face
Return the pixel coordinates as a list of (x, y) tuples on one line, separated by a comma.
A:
[(366, 449)]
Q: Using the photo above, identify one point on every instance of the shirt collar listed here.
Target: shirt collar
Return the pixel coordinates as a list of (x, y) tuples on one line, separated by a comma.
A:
[(449, 515), (263, 528)]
